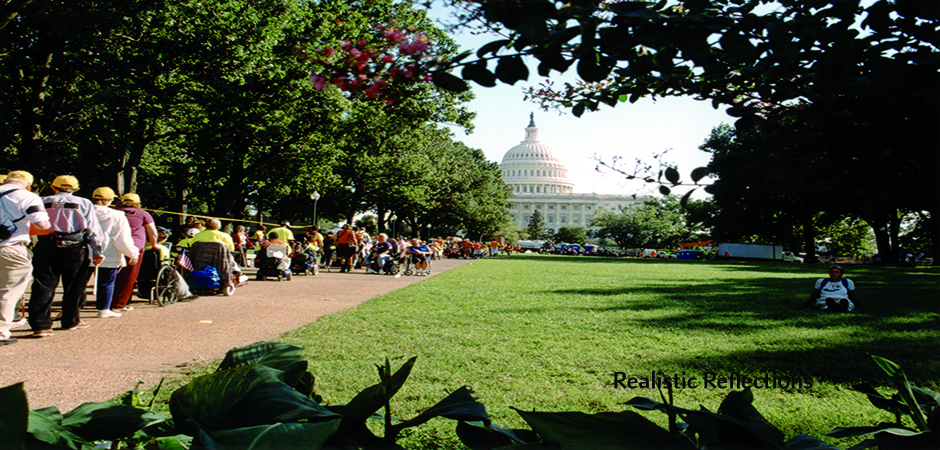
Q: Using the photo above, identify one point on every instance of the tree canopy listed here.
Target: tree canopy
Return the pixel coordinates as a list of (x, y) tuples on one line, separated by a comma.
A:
[(208, 107)]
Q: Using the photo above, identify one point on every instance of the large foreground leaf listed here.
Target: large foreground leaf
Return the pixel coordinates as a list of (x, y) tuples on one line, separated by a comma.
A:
[(46, 426), (287, 358), (459, 405), (14, 416), (619, 430), (242, 397), (277, 436), (99, 421), (367, 402)]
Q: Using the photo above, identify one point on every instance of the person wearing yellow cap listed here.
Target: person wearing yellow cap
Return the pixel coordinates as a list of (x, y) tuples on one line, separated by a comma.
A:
[(144, 231), (75, 239), (18, 209), (120, 247)]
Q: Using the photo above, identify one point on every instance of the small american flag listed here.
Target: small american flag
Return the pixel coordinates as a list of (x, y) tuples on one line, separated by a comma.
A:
[(183, 260)]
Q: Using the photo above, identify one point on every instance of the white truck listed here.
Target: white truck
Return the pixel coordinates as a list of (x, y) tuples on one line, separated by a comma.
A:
[(533, 245), (754, 251)]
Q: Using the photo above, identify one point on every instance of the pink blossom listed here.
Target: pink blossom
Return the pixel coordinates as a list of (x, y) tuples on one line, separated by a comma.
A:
[(388, 59), (345, 45), (394, 36), (374, 90), (328, 52), (319, 83)]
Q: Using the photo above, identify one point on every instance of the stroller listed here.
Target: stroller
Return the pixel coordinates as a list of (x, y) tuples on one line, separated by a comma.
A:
[(274, 261), (304, 261)]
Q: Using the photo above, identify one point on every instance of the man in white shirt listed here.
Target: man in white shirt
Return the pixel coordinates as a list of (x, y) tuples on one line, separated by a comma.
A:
[(835, 294), (18, 208)]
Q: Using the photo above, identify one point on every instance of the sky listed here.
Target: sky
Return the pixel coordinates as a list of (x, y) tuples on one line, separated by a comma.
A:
[(629, 131)]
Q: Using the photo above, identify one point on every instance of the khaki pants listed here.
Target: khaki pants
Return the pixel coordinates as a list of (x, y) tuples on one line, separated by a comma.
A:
[(15, 267)]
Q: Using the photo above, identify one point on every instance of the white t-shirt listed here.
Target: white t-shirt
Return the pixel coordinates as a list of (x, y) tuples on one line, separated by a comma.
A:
[(19, 203), (834, 290)]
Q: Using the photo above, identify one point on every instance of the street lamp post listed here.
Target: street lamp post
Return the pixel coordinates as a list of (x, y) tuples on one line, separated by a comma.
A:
[(315, 196), (393, 218)]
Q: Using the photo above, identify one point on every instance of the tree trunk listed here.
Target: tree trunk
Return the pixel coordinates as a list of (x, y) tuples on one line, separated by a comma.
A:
[(809, 239), (33, 99)]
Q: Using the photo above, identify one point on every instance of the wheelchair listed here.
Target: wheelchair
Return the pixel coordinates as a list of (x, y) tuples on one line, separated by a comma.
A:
[(408, 266), (157, 281)]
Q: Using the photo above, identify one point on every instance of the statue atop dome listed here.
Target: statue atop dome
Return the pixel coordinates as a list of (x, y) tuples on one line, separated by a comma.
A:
[(531, 119)]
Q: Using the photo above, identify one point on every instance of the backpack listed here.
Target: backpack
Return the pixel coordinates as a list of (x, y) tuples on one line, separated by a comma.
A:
[(7, 226)]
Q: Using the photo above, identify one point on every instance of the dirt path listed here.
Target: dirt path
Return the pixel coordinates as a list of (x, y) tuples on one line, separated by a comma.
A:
[(150, 342)]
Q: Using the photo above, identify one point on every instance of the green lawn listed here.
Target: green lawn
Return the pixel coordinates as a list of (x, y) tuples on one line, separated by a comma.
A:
[(549, 332)]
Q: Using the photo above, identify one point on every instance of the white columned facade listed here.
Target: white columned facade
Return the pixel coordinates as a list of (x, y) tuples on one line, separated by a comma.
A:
[(539, 182)]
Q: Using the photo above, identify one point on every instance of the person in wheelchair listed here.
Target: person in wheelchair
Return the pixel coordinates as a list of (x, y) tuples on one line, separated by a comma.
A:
[(381, 254), (419, 257)]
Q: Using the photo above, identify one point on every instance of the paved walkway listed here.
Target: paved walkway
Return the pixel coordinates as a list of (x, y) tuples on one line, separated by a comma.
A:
[(108, 358)]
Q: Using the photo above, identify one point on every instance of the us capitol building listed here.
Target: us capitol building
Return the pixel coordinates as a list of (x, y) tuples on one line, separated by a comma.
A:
[(539, 182)]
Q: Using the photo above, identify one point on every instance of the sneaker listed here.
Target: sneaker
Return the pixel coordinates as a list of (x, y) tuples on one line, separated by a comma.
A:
[(381, 272), (42, 333), (19, 323), (107, 313), (369, 271), (127, 308), (8, 341), (81, 324)]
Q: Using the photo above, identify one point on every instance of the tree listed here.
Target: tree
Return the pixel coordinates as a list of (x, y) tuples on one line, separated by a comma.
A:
[(536, 226), (655, 223), (575, 235), (805, 64)]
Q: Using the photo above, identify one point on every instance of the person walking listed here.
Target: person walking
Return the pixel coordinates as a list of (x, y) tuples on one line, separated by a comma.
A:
[(18, 209), (143, 231), (63, 255), (120, 245)]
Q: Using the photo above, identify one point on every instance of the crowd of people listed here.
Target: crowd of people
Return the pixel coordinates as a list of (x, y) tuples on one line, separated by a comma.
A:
[(65, 239)]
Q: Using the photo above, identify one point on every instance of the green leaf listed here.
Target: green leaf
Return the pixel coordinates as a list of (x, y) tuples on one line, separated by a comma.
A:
[(512, 69), (492, 47), (46, 426), (459, 405), (611, 430), (685, 198), (804, 442), (578, 110), (664, 190), (271, 437), (276, 355), (698, 173), (371, 399), (842, 432), (479, 74), (478, 436), (672, 175), (899, 379), (108, 421), (590, 69), (14, 416), (449, 82), (242, 397)]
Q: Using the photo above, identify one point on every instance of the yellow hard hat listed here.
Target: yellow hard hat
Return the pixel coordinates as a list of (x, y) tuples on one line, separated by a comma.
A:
[(65, 182), (22, 175), (130, 197), (103, 193)]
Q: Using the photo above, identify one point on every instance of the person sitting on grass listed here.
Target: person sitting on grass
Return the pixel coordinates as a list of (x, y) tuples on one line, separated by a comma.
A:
[(835, 294)]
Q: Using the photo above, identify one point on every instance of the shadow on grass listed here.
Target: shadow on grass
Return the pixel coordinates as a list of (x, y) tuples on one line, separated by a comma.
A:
[(898, 317)]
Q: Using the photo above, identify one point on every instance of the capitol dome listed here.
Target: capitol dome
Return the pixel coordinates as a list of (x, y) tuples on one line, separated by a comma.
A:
[(532, 167)]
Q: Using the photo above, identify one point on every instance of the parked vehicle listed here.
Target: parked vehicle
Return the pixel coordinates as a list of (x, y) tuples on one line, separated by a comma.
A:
[(751, 251), (790, 257), (535, 245)]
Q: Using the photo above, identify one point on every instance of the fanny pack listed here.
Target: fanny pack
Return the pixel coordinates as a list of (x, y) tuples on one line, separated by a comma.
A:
[(69, 240)]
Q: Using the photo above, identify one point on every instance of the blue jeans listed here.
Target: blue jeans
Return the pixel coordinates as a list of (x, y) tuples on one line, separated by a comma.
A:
[(106, 277)]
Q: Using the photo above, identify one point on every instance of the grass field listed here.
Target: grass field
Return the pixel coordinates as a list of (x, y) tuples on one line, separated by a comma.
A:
[(548, 333)]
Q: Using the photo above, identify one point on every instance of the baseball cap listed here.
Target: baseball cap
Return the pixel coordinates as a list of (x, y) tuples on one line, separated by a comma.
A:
[(130, 197), (103, 193), (65, 182), (22, 175)]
